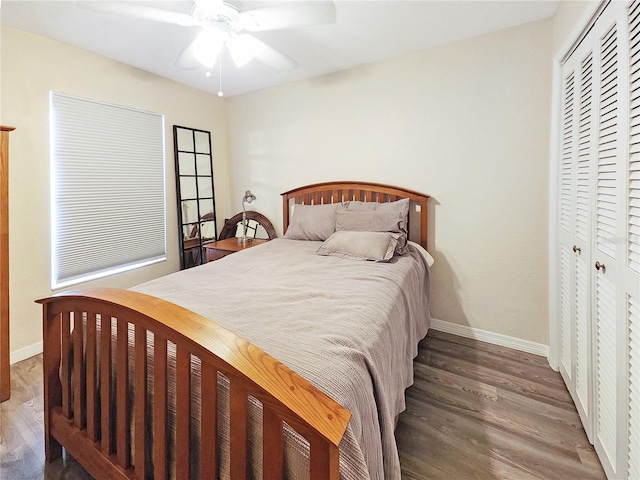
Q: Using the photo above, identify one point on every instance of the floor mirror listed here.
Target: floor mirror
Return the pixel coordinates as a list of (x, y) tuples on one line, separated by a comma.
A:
[(194, 192)]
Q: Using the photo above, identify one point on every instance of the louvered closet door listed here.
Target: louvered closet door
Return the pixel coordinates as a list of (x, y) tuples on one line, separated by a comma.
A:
[(607, 221), (599, 207), (631, 302), (585, 173), (617, 284), (567, 228), (577, 155)]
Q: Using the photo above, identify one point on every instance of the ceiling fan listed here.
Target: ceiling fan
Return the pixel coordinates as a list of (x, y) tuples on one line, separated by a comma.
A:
[(225, 24)]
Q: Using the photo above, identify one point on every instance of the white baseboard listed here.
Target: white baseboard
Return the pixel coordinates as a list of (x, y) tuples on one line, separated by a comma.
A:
[(490, 337), (25, 352)]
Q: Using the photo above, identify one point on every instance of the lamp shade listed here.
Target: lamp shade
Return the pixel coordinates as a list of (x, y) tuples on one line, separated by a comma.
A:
[(248, 197)]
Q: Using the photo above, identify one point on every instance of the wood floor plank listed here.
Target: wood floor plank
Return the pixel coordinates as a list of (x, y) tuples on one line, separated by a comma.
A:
[(500, 363), (478, 346), (505, 410), (475, 412), (480, 411), (520, 384)]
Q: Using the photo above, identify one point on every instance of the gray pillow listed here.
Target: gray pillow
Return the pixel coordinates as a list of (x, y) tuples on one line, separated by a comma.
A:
[(376, 246), (401, 206), (370, 221), (376, 217), (312, 222)]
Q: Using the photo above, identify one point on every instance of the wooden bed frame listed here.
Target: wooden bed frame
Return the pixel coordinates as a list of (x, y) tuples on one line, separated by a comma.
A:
[(335, 192), (91, 411)]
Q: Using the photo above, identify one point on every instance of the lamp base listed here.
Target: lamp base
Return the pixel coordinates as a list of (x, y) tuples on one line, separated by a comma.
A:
[(244, 240)]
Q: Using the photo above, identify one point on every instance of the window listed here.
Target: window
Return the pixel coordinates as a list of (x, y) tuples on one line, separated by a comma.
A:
[(107, 189)]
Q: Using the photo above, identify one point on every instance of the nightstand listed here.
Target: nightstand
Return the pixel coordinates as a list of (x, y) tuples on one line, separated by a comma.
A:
[(222, 248)]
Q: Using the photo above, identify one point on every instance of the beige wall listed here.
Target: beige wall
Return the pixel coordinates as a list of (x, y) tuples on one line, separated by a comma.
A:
[(467, 123), (32, 66)]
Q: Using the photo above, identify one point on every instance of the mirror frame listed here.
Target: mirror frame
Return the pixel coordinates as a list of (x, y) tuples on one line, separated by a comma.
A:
[(191, 251)]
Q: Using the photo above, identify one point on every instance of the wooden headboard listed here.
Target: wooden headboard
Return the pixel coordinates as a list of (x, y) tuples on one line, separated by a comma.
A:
[(335, 192)]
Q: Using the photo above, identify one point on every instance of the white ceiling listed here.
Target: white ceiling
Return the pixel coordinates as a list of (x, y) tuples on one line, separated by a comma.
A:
[(364, 32)]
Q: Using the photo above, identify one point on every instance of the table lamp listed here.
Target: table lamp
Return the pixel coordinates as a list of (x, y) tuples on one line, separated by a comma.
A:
[(248, 199)]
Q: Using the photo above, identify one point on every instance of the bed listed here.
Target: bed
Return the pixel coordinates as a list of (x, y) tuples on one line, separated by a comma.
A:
[(272, 362)]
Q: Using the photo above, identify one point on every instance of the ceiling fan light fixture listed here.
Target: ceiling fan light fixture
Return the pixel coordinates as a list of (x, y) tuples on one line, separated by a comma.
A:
[(208, 45), (240, 49)]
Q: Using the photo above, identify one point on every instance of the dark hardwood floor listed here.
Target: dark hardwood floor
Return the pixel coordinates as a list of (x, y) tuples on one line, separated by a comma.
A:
[(476, 411)]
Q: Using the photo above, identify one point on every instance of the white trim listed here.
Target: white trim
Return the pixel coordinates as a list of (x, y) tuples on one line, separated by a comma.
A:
[(582, 29), (554, 263), (490, 337), (25, 352)]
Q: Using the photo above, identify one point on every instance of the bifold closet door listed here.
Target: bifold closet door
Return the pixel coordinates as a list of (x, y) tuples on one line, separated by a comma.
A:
[(575, 232), (631, 300), (599, 235), (616, 284), (609, 344)]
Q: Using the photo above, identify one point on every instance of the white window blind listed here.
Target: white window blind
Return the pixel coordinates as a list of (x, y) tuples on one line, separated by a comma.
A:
[(107, 189)]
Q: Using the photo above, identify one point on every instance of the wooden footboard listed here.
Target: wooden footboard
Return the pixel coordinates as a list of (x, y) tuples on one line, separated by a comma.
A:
[(92, 411)]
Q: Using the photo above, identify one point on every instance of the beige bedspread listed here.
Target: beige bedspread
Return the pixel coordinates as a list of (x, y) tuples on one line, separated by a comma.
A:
[(349, 327)]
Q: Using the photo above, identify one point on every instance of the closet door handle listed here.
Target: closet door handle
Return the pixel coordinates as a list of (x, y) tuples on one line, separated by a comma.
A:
[(577, 249), (600, 266)]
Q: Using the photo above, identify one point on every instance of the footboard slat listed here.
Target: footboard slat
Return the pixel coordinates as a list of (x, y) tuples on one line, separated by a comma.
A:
[(324, 461), (140, 399), (209, 422), (239, 411), (183, 412), (78, 371), (122, 405), (52, 387), (160, 390), (106, 422), (92, 407), (65, 371), (273, 449)]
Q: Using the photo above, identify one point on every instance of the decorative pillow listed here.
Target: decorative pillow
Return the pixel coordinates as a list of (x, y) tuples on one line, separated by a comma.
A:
[(376, 246), (312, 222), (375, 217), (401, 206)]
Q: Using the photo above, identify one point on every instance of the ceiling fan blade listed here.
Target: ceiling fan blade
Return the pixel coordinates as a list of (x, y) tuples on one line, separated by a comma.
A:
[(268, 55), (293, 14), (128, 9), (210, 5), (187, 59)]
